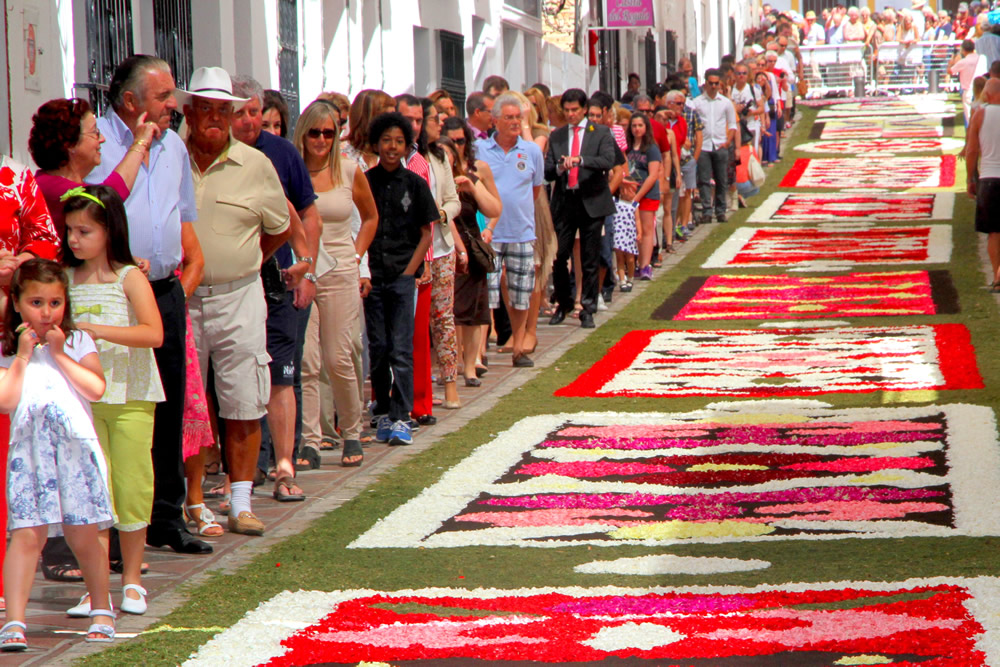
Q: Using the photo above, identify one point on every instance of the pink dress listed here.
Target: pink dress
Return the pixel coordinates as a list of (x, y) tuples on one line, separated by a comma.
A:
[(197, 427)]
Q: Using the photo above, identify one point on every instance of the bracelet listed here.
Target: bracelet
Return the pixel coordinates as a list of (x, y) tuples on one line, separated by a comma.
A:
[(140, 142), (22, 358), (137, 150), (463, 254), (307, 260)]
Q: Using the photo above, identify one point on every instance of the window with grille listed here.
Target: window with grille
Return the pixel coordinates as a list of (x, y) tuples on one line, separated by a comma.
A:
[(288, 57), (109, 41), (172, 32), (670, 43), (652, 64), (453, 67)]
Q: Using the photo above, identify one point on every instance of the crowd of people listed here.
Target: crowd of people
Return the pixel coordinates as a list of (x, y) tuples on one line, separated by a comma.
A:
[(898, 49), (239, 292)]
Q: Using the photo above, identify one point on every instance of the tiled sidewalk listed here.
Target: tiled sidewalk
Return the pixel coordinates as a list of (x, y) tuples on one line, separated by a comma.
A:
[(55, 639)]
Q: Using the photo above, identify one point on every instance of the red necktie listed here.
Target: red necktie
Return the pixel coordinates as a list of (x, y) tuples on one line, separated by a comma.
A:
[(574, 173)]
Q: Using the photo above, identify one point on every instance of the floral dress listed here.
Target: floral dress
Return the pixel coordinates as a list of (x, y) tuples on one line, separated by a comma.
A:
[(55, 469)]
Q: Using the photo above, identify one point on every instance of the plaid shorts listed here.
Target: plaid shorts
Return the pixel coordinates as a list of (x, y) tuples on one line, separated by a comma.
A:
[(519, 260)]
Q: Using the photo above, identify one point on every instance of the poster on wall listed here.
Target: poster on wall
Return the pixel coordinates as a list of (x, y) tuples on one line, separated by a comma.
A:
[(31, 79), (623, 14)]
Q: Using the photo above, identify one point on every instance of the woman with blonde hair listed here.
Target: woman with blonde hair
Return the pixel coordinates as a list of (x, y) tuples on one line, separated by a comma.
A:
[(556, 116), (539, 100), (333, 337)]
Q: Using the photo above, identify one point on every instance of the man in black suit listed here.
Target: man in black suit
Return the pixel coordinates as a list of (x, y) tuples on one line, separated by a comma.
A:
[(578, 160)]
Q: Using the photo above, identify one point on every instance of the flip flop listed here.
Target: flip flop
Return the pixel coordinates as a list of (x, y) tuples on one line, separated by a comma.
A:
[(311, 457), (352, 448), (287, 482)]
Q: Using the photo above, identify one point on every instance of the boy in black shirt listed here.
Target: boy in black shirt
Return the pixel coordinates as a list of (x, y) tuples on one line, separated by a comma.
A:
[(406, 210)]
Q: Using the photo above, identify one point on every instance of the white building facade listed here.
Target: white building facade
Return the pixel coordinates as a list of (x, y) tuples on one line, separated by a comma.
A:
[(67, 48)]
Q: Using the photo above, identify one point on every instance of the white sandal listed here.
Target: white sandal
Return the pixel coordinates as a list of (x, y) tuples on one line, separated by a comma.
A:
[(9, 637), (204, 521), (101, 628)]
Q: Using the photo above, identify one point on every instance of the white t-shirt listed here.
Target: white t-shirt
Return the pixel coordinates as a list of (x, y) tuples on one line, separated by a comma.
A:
[(749, 97)]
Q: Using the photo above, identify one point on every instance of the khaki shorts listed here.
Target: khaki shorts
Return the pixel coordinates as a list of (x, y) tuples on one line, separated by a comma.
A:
[(230, 331)]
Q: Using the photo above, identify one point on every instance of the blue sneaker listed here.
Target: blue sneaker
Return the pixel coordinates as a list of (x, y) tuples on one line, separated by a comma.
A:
[(401, 434), (384, 429)]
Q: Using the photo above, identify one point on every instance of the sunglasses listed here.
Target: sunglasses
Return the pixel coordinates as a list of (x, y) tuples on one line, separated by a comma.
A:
[(459, 142), (316, 133)]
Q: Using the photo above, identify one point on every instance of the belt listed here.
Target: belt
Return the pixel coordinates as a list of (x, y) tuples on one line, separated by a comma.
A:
[(163, 285), (226, 288)]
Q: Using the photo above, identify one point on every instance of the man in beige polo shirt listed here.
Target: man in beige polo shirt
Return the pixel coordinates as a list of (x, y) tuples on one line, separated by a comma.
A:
[(242, 219)]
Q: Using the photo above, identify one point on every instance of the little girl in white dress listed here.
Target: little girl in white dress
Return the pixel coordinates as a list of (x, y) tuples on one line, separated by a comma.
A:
[(56, 477)]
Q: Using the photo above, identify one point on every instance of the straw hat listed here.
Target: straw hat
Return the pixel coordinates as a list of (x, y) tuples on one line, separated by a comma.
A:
[(212, 83)]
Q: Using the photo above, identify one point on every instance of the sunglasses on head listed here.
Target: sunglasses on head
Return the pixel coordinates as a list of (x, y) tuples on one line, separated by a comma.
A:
[(316, 133)]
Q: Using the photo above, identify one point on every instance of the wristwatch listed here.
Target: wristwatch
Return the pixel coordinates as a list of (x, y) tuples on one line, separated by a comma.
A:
[(311, 277)]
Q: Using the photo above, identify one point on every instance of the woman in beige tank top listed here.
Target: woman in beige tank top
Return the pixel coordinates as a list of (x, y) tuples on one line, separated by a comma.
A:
[(334, 330)]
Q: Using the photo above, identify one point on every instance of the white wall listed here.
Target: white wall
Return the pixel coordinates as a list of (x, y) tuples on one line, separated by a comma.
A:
[(55, 62)]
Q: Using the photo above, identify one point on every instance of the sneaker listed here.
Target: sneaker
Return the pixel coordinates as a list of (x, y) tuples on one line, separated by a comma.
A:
[(600, 303), (401, 434), (383, 429), (690, 227), (646, 273)]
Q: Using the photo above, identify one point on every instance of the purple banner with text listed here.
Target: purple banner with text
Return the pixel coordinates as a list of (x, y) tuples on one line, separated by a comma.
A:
[(628, 14)]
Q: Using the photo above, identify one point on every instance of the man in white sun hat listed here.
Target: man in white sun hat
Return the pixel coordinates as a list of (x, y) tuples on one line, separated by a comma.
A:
[(242, 219)]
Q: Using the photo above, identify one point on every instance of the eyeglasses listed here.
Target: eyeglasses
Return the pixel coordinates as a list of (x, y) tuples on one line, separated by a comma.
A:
[(712, 83), (741, 73), (95, 133), (316, 133), (510, 118)]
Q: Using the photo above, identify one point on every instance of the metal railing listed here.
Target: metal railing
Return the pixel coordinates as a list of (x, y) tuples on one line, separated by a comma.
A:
[(854, 68), (833, 68), (916, 67)]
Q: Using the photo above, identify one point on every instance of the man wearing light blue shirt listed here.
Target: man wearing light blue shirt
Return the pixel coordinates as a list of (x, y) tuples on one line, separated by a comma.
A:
[(518, 170), (161, 208)]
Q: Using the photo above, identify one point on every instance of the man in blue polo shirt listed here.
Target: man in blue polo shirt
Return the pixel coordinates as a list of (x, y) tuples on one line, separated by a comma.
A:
[(519, 170), (289, 285)]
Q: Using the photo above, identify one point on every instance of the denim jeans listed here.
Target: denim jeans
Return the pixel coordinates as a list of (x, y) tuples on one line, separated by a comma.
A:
[(389, 323), (713, 164)]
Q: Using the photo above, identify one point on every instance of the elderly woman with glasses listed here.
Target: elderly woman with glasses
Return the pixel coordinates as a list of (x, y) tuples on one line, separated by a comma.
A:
[(66, 145)]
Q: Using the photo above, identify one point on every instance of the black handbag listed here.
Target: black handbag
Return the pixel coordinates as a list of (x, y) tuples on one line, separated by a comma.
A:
[(481, 254)]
